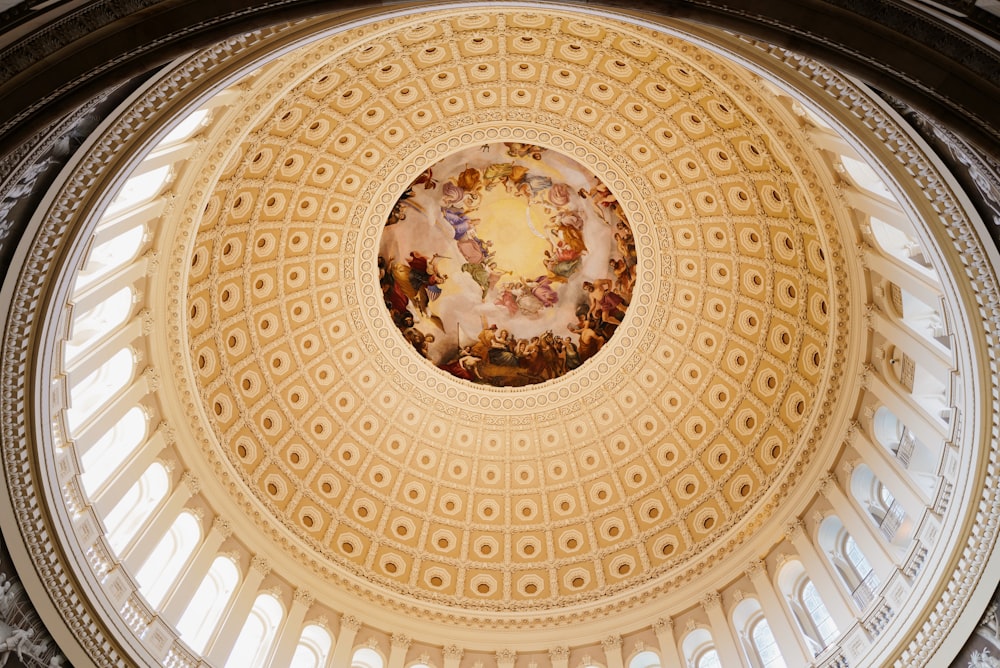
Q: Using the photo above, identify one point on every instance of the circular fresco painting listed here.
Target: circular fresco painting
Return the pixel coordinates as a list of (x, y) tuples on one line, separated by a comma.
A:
[(507, 264)]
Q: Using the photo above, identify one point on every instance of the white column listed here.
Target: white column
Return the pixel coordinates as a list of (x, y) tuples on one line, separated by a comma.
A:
[(903, 275), (669, 653), (113, 489), (886, 469), (144, 542), (291, 629), (343, 651), (613, 651), (722, 634), (817, 568), (236, 615), (558, 657), (177, 601), (883, 209), (860, 529), (928, 355), (790, 641), (399, 646), (114, 225), (94, 294)]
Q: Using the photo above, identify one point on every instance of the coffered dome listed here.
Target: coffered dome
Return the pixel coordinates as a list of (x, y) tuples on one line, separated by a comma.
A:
[(644, 465)]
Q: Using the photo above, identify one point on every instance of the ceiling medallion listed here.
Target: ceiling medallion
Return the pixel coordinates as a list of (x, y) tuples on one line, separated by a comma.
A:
[(507, 264)]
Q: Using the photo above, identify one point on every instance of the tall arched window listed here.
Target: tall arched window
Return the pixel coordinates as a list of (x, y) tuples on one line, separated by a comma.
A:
[(848, 561), (366, 657), (160, 571), (313, 648), (105, 456), (645, 659), (699, 650), (880, 506), (105, 258), (136, 506), (255, 640), (912, 454), (755, 633), (806, 605), (96, 323), (208, 603), (87, 395)]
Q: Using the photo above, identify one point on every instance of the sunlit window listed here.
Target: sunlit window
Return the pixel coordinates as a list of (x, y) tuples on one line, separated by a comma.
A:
[(645, 660), (254, 642), (208, 603), (367, 658), (313, 648), (105, 456), (136, 506), (186, 128), (110, 255), (99, 321), (865, 177), (89, 394), (818, 613), (709, 659), (173, 551), (766, 645), (139, 189)]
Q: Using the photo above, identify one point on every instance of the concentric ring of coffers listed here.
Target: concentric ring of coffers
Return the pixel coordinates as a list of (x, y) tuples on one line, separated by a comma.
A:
[(537, 495)]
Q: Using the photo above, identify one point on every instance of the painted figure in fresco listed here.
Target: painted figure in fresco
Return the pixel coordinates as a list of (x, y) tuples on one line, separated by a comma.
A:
[(516, 150), (605, 304), (590, 340)]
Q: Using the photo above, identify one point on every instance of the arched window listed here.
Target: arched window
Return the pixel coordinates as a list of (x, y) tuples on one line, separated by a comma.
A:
[(755, 633), (105, 456), (313, 648), (139, 189), (136, 506), (865, 177), (645, 659), (818, 614), (89, 394), (186, 128), (99, 321), (168, 557), (880, 506), (113, 253), (850, 563), (912, 454), (254, 642), (806, 606), (699, 650), (366, 657), (208, 603)]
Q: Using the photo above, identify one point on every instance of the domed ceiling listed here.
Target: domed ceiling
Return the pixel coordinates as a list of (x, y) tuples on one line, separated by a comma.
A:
[(433, 185)]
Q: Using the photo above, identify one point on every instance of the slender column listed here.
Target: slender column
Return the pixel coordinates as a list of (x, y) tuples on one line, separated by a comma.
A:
[(291, 629), (148, 537), (166, 156), (92, 295), (343, 651), (883, 209), (833, 595), (113, 489), (930, 355), (722, 633), (179, 599), (901, 274), (399, 646), (506, 658), (669, 653), (789, 640), (915, 418), (613, 651), (887, 470), (558, 657), (239, 610), (860, 529)]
